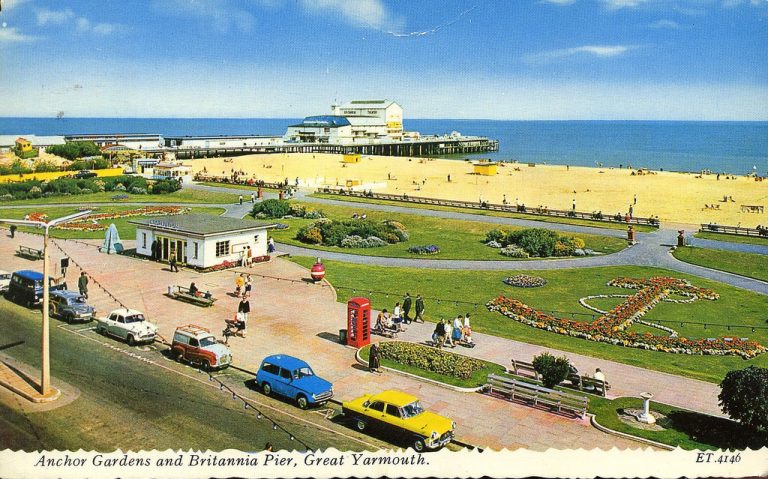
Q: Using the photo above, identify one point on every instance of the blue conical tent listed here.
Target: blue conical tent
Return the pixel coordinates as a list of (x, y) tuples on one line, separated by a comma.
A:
[(112, 242)]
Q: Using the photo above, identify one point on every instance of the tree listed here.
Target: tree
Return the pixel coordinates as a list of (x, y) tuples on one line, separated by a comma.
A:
[(744, 396), (552, 370)]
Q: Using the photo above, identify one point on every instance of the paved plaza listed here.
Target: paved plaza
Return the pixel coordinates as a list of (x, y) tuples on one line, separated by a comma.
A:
[(292, 315)]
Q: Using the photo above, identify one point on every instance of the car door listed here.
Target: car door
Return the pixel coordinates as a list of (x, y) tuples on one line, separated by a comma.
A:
[(283, 383), (193, 350), (119, 326), (393, 417), (376, 412), (54, 307)]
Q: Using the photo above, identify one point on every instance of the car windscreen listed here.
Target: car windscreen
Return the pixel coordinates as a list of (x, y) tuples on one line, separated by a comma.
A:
[(134, 318), (303, 372), (77, 300), (207, 341), (412, 409)]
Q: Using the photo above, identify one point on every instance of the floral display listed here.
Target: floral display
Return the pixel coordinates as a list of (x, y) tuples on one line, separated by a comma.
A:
[(91, 222), (424, 249), (611, 326), (37, 216), (430, 359), (525, 281)]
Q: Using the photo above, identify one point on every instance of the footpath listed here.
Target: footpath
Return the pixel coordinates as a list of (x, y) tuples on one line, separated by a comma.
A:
[(294, 316)]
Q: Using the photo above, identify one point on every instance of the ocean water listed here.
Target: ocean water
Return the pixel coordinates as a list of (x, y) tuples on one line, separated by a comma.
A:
[(731, 147)]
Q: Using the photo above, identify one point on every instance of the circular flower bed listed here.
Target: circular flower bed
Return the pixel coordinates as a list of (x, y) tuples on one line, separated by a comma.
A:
[(525, 281), (424, 249)]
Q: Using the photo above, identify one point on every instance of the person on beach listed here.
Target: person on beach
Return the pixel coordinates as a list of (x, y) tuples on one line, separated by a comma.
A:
[(419, 309), (82, 284)]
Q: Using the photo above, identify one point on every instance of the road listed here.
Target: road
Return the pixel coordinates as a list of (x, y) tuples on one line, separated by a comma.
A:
[(115, 396)]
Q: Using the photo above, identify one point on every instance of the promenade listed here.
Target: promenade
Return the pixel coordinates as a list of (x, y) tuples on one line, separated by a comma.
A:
[(294, 316)]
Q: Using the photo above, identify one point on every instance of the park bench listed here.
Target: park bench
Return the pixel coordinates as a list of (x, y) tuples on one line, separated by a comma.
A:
[(181, 293), (30, 253), (536, 395), (522, 368), (381, 331), (586, 383)]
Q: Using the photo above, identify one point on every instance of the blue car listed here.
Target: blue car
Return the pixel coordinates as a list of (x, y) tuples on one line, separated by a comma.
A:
[(293, 378)]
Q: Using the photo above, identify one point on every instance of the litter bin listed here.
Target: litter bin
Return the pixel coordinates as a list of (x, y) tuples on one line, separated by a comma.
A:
[(343, 336)]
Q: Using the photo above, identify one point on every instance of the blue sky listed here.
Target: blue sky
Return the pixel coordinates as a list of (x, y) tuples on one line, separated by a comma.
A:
[(498, 59)]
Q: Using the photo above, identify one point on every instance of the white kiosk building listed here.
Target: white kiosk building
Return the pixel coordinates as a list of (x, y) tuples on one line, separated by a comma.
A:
[(200, 240)]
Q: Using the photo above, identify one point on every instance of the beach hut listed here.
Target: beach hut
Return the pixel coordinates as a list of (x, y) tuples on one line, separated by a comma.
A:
[(351, 158), (485, 168)]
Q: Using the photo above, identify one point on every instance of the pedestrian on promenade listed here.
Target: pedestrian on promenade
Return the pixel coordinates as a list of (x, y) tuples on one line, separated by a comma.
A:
[(270, 245), (248, 286), (243, 309), (407, 308), (82, 284), (241, 199), (13, 231), (253, 198), (374, 361), (419, 309), (239, 284), (249, 257), (439, 335), (172, 263)]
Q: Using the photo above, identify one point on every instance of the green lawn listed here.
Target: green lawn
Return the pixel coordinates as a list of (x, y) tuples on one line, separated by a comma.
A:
[(732, 238), (461, 291), (686, 429), (746, 264), (125, 230), (457, 239), (181, 196), (543, 219)]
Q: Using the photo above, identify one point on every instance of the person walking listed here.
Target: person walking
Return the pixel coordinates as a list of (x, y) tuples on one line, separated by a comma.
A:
[(419, 309), (13, 231), (243, 310), (172, 263), (253, 198), (270, 245), (374, 361), (82, 284), (407, 308)]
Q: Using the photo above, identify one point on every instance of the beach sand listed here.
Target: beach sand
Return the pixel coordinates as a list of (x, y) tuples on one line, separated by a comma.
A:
[(673, 197)]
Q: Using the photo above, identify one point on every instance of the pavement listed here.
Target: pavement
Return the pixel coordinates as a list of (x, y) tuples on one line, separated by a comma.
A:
[(292, 315)]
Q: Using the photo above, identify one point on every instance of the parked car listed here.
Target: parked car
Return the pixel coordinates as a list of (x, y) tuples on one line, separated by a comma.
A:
[(5, 280), (70, 306), (127, 324), (198, 346), (26, 287), (293, 378), (85, 174), (401, 414)]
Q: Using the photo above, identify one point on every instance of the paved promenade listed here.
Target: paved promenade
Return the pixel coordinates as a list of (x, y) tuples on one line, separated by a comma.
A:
[(294, 316)]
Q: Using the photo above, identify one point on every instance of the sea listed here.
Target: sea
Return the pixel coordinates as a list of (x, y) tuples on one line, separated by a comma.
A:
[(727, 147)]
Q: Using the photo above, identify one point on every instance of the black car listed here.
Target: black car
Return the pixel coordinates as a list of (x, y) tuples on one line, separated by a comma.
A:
[(85, 174)]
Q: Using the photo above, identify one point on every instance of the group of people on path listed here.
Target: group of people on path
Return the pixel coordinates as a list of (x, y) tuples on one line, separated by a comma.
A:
[(243, 288), (450, 334), (401, 314)]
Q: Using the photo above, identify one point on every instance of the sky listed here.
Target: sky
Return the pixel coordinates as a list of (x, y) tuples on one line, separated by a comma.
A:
[(489, 59)]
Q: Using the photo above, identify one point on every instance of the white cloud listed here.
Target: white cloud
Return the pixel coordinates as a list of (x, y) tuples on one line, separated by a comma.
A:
[(366, 13), (559, 2), (598, 51), (12, 35), (11, 4), (619, 4), (222, 15), (84, 25), (665, 24), (53, 17)]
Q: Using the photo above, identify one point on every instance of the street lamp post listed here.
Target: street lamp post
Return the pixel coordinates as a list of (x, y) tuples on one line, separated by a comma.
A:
[(45, 366)]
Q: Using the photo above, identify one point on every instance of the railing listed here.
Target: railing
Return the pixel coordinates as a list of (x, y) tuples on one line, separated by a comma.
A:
[(227, 180), (761, 231), (521, 209)]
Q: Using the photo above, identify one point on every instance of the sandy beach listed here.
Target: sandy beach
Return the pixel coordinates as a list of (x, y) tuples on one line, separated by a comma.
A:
[(673, 197)]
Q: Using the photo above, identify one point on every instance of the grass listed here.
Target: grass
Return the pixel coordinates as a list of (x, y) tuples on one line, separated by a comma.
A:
[(181, 196), (457, 239), (686, 429), (478, 378), (543, 219), (732, 238), (125, 230), (745, 264), (452, 292), (251, 188)]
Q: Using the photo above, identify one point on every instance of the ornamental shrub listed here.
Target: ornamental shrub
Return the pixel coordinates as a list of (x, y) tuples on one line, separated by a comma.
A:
[(313, 214), (272, 208), (552, 370), (744, 397), (514, 252), (563, 249), (430, 359), (535, 241), (578, 243), (496, 235), (355, 241), (309, 234)]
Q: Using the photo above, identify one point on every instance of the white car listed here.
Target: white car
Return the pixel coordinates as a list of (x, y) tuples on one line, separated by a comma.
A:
[(127, 324), (5, 280)]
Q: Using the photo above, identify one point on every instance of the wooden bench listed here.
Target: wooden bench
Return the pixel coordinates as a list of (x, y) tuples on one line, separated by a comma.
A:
[(536, 395), (522, 368), (587, 383), (387, 333), (181, 293), (30, 253)]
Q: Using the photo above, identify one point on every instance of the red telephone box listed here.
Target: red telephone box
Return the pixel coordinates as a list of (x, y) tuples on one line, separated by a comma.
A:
[(358, 322)]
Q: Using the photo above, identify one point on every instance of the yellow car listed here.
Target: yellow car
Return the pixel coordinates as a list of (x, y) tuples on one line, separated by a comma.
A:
[(402, 414)]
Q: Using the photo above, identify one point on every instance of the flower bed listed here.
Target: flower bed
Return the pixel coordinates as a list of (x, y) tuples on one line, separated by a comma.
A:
[(90, 222), (430, 359), (424, 249), (525, 281), (221, 266), (611, 326)]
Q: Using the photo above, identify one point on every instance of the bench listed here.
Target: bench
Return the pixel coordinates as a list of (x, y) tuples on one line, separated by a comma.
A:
[(30, 253), (181, 293), (387, 333), (591, 384), (536, 395), (522, 368)]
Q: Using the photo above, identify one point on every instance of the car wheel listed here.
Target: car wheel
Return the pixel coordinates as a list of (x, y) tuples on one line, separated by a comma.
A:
[(175, 354), (70, 319), (266, 389), (360, 424), (205, 366), (302, 401), (131, 340), (418, 444)]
